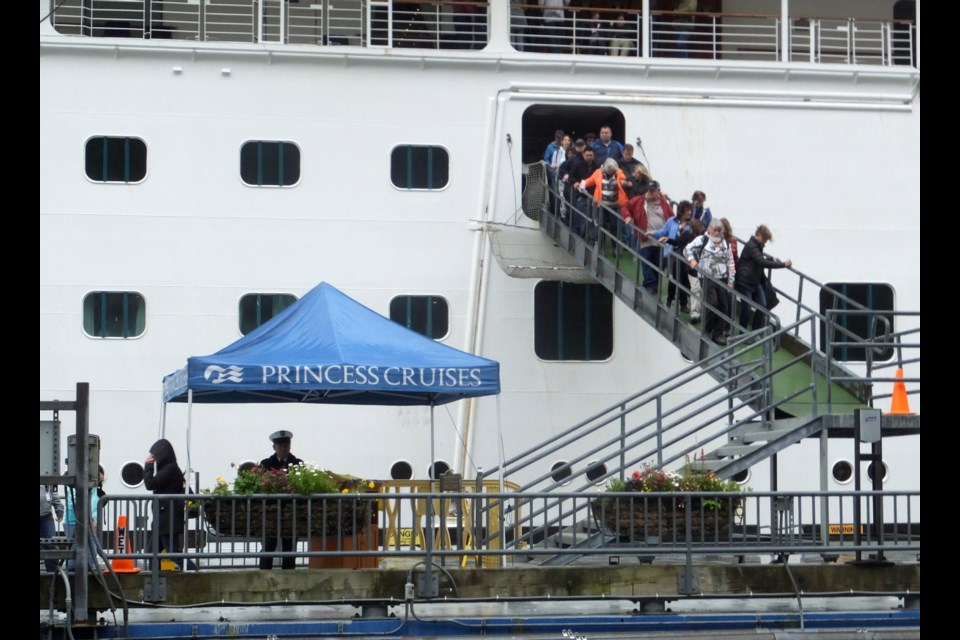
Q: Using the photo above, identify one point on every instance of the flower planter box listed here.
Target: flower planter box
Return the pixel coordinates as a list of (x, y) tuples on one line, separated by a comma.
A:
[(366, 540), (656, 520), (289, 516)]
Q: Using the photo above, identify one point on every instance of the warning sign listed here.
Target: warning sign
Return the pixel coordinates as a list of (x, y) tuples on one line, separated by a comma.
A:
[(843, 529)]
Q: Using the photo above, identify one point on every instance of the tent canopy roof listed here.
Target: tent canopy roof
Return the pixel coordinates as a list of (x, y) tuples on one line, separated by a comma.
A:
[(329, 348)]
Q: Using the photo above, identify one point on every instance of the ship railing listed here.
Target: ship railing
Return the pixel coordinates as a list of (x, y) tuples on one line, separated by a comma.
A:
[(465, 24), (682, 526)]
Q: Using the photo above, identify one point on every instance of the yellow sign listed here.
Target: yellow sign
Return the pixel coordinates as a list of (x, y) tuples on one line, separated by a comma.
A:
[(844, 529), (406, 536)]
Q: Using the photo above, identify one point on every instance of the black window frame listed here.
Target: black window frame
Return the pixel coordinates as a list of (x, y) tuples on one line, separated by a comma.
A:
[(259, 309), (876, 296), (263, 155), (562, 310), (405, 162), (115, 159), (413, 312), (104, 305)]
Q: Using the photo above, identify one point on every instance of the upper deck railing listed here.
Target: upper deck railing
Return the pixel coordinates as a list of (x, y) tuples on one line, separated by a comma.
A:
[(467, 24)]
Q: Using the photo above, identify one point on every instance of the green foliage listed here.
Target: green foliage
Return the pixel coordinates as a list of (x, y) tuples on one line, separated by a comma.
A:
[(303, 479), (650, 479), (308, 480)]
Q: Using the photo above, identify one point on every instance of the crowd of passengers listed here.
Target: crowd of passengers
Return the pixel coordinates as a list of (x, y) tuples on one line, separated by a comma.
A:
[(698, 251), (594, 27)]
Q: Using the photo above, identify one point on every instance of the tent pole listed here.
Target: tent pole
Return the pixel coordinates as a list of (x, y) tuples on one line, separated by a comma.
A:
[(163, 418), (429, 587), (500, 453), (189, 426)]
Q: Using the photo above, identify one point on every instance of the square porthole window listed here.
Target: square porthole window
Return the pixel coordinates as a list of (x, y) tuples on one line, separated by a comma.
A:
[(258, 308), (114, 314), (115, 159), (427, 315), (861, 312), (419, 167), (572, 321), (265, 163)]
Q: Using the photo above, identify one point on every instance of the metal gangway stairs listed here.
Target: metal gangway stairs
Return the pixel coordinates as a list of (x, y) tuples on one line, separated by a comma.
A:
[(766, 390)]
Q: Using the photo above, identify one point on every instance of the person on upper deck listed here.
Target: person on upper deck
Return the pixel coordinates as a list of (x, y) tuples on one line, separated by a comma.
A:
[(621, 42), (554, 25), (606, 147)]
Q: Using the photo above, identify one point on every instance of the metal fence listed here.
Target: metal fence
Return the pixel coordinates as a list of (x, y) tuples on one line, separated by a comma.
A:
[(368, 530)]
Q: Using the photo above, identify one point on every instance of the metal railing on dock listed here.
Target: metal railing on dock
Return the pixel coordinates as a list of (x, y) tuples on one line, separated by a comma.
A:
[(374, 529)]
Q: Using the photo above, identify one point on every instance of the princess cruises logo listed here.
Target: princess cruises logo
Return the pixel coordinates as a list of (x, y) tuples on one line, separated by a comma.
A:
[(217, 375)]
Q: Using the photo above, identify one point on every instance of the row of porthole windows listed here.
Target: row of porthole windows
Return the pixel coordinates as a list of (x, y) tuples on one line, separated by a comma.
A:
[(561, 471), (131, 474), (122, 314), (264, 163), (843, 471), (572, 322)]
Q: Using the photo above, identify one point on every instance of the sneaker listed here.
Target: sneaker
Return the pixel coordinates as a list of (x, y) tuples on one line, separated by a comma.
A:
[(720, 339), (694, 319)]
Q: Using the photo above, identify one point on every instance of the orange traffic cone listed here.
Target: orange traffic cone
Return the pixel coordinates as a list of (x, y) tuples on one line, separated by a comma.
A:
[(899, 403), (122, 545)]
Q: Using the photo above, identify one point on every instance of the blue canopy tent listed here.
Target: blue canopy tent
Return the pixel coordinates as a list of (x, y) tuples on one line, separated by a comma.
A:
[(328, 348)]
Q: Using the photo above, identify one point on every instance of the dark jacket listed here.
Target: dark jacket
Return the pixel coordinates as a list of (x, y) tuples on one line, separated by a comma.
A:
[(752, 263), (579, 169), (165, 477), (274, 463)]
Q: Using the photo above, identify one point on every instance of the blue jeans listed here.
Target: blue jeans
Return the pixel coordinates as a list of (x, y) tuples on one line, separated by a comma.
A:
[(651, 274), (71, 532), (759, 298), (47, 530)]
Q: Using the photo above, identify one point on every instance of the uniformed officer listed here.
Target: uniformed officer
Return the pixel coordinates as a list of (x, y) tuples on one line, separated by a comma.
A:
[(281, 459)]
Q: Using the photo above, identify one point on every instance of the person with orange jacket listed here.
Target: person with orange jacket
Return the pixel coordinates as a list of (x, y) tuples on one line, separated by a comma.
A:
[(607, 185)]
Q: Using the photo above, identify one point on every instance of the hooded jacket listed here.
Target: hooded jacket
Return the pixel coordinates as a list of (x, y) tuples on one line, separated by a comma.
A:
[(164, 476)]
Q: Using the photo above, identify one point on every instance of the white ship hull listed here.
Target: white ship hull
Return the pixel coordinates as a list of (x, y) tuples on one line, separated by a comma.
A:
[(825, 156)]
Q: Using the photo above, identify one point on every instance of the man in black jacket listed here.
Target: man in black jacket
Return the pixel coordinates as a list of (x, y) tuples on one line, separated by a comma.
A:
[(750, 276), (281, 459)]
